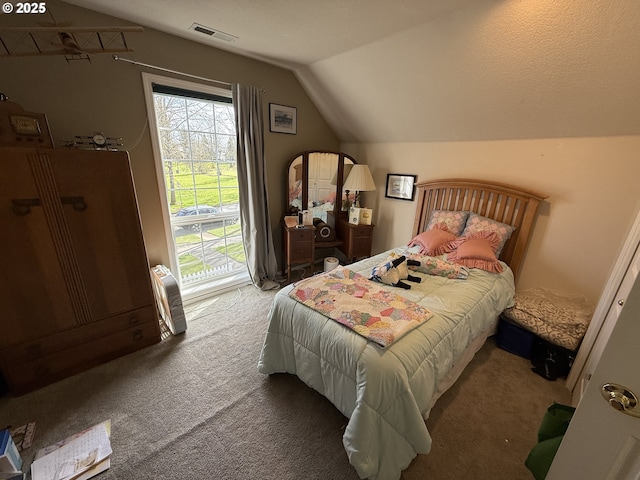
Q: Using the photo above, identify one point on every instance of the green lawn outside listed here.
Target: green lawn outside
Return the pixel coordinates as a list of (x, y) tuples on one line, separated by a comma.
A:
[(218, 232), (211, 190), (190, 264), (235, 251), (231, 230), (192, 238)]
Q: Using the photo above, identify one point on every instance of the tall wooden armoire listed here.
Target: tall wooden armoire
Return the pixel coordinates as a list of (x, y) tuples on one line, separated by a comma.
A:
[(76, 288)]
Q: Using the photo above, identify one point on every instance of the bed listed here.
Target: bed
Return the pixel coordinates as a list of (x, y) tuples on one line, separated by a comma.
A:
[(387, 392)]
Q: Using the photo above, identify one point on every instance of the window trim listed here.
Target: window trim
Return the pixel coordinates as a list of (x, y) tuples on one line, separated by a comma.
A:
[(148, 79)]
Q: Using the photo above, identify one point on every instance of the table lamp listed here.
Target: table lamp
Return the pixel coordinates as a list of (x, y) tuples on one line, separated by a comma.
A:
[(359, 180)]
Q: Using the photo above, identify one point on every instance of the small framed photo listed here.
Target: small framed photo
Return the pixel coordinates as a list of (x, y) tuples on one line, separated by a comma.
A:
[(400, 186), (283, 119)]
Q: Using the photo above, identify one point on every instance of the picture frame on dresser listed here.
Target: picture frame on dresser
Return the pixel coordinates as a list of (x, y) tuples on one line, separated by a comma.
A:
[(401, 186)]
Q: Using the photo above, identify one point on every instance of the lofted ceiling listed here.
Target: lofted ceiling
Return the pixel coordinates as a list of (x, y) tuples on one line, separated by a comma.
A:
[(285, 32), (433, 70)]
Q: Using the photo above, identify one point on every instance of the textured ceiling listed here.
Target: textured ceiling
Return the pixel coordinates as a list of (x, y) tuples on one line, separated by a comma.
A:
[(282, 31), (434, 70)]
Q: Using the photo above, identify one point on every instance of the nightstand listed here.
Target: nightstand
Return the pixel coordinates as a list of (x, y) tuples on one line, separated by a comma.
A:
[(357, 239), (299, 247)]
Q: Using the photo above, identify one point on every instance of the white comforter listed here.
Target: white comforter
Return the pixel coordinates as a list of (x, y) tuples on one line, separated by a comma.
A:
[(385, 392)]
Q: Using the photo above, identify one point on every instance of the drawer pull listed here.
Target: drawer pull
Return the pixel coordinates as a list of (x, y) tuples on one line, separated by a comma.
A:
[(134, 320), (137, 335), (77, 203), (22, 206)]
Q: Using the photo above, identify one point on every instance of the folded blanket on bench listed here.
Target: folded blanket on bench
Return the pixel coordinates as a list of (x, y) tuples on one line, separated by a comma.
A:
[(561, 320)]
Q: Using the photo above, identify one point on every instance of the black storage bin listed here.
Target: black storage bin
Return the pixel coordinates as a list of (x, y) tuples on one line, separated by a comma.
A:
[(515, 339), (551, 361)]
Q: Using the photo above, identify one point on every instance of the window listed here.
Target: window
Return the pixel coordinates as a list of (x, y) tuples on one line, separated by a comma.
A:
[(196, 144)]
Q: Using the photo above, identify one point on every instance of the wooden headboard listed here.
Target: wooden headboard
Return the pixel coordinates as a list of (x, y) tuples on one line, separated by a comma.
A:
[(504, 203)]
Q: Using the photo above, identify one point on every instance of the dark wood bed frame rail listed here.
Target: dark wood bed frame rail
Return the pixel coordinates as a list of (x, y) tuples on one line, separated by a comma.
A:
[(501, 202)]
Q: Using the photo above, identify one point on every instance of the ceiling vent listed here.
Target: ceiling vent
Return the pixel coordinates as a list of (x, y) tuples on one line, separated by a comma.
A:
[(212, 33)]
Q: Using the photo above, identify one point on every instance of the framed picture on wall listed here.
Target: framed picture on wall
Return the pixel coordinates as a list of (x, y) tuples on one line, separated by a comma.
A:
[(282, 119), (400, 186)]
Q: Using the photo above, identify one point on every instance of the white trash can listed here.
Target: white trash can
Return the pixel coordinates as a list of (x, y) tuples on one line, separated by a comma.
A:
[(330, 263)]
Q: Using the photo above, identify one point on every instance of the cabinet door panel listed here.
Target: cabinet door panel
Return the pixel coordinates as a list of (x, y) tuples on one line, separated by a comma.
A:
[(101, 211), (33, 293)]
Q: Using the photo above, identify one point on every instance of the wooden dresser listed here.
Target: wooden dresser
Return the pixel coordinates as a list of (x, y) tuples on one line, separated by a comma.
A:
[(299, 247), (300, 243), (357, 239), (76, 288)]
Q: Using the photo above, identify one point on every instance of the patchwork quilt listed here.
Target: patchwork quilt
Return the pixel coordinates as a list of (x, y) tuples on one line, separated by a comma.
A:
[(365, 307)]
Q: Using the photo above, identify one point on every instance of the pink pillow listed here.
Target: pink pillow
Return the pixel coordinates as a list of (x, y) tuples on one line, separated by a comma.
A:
[(477, 250), (434, 242)]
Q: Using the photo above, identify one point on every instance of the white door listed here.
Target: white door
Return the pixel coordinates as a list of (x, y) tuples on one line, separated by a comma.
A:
[(322, 169), (615, 309), (606, 315), (603, 443)]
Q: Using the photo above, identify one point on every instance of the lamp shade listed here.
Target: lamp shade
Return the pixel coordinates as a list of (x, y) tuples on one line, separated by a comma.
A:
[(359, 179), (345, 173)]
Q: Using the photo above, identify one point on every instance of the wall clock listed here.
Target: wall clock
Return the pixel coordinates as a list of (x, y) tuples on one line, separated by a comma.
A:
[(96, 141), (99, 140)]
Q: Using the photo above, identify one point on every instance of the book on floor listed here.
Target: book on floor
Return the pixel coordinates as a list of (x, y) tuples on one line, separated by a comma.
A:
[(78, 457)]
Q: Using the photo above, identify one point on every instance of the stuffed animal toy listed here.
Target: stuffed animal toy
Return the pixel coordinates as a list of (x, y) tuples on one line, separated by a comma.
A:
[(393, 271)]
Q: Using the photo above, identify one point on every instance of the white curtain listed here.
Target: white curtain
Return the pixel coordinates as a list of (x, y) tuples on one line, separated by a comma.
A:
[(252, 180)]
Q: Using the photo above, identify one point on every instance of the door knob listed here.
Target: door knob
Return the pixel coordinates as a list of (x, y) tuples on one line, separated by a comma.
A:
[(620, 398)]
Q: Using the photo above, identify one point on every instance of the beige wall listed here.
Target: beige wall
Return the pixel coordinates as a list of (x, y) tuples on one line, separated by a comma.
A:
[(592, 184), (494, 70), (80, 98)]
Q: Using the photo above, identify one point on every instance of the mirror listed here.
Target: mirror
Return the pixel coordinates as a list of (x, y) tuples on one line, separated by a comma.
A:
[(314, 181)]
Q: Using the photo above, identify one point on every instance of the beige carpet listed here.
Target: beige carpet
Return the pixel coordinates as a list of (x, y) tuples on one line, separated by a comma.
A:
[(195, 407)]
